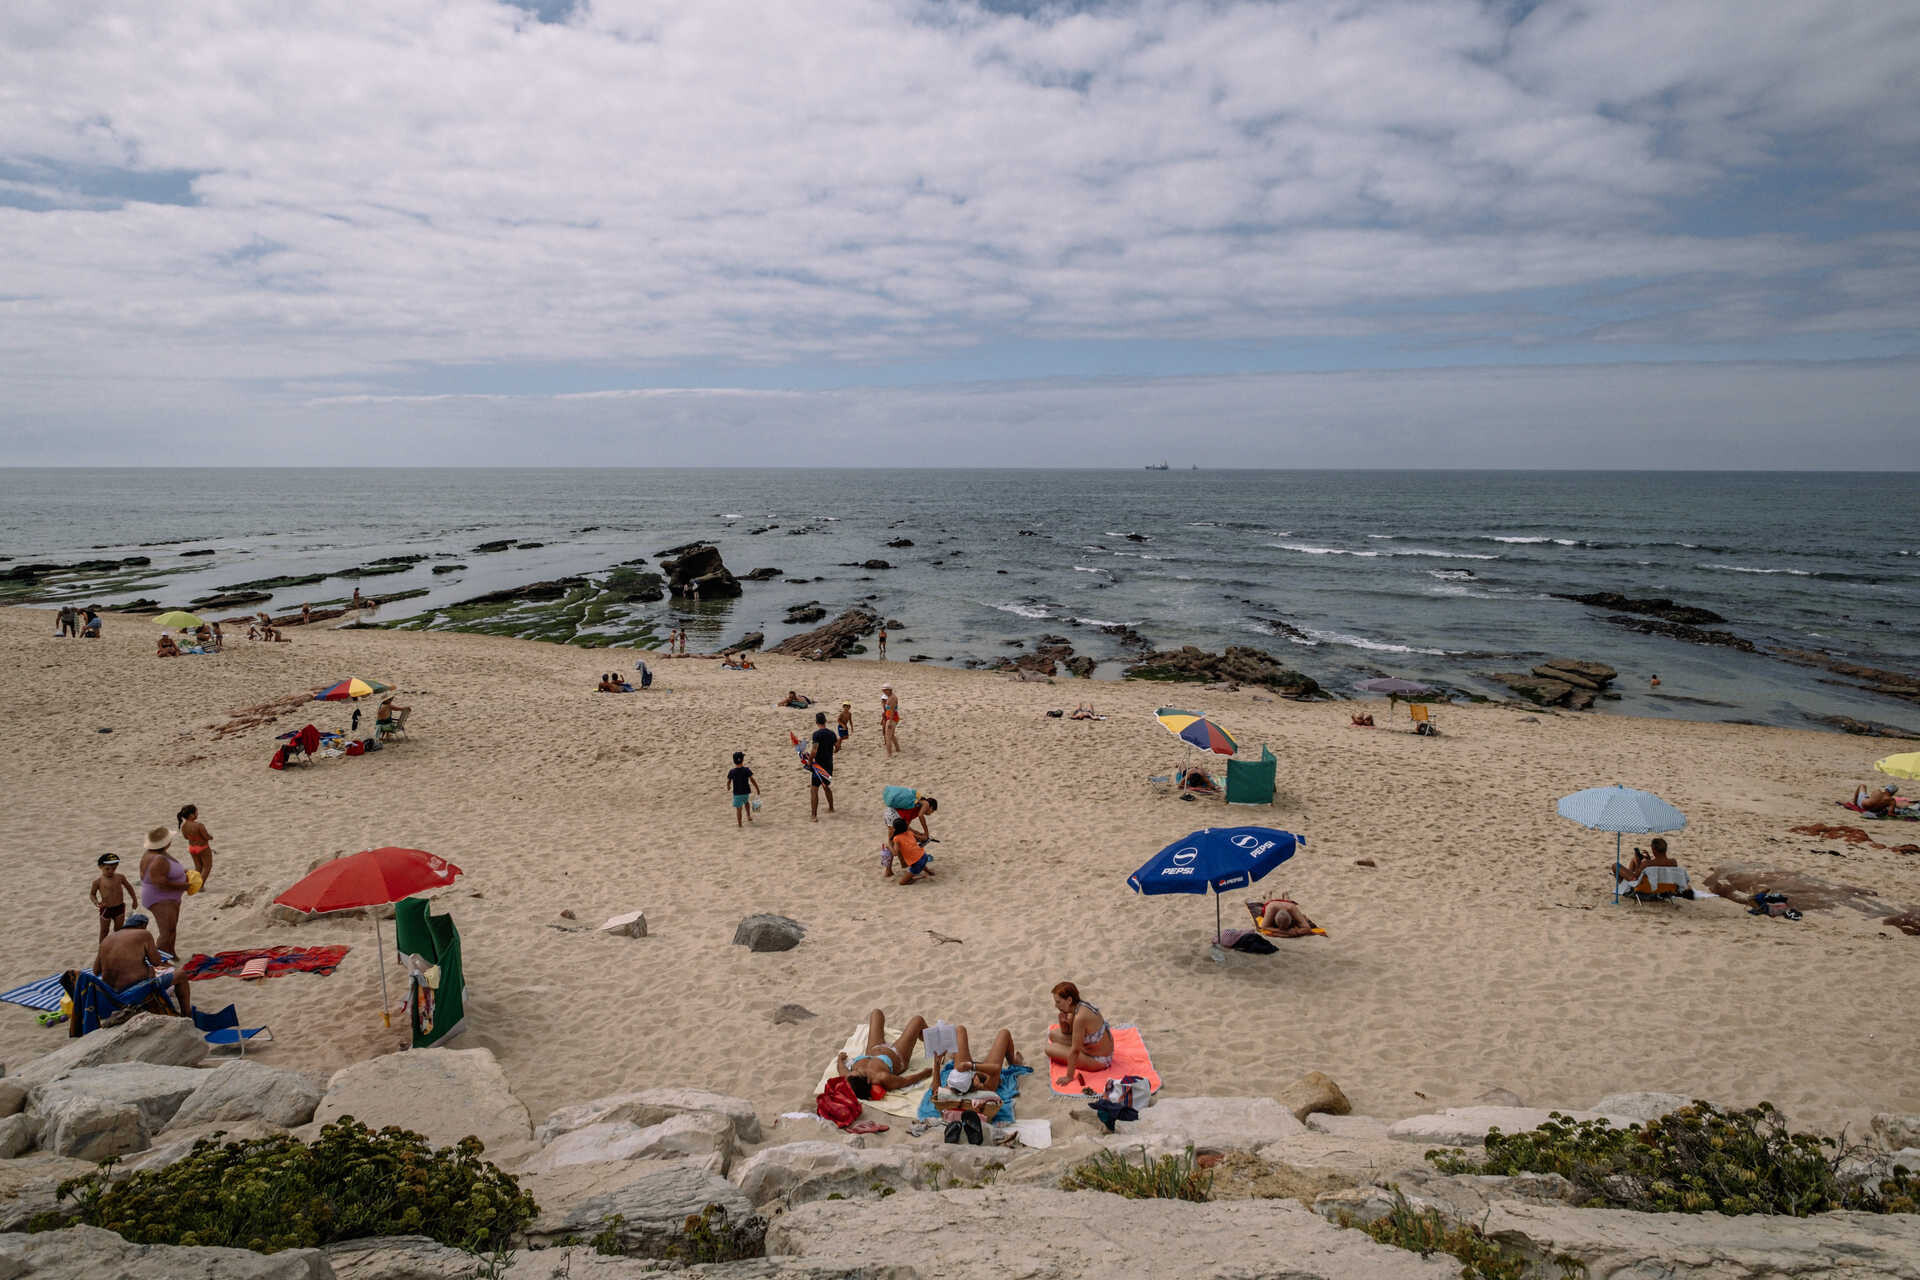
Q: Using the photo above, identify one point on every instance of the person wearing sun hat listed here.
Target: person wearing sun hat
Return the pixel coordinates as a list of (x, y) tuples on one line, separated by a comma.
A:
[(163, 882)]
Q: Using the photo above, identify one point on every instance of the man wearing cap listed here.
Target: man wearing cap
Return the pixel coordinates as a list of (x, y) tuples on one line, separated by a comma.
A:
[(130, 955), (1884, 801)]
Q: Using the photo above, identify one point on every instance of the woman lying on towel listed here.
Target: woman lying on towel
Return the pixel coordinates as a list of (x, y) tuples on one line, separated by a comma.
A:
[(973, 1086), (1282, 917), (798, 701), (1082, 1041), (880, 1067)]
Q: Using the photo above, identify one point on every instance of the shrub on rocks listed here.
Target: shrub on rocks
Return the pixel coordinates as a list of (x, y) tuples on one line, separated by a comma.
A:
[(279, 1193), (1168, 1178)]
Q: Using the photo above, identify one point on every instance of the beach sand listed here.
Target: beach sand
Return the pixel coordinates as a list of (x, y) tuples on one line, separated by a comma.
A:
[(1481, 950)]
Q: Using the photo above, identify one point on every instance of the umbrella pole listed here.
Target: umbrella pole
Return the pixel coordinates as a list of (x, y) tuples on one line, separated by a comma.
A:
[(379, 950), (1616, 868), (1216, 916)]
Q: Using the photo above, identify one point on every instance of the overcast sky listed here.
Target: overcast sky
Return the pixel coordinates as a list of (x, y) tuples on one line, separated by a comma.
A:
[(1312, 233)]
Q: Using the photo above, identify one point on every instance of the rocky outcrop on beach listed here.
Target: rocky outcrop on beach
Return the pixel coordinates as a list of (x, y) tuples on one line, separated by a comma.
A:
[(835, 640), (865, 564), (759, 575), (532, 591), (1560, 682), (231, 599), (1681, 631), (1650, 606), (1239, 664), (1890, 684), (800, 614), (699, 573), (1866, 728), (488, 548), (1047, 654)]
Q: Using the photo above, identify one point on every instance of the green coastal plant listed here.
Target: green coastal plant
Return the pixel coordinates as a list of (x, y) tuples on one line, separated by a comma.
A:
[(1168, 1178), (709, 1236), (269, 1194), (1426, 1232), (1697, 1159)]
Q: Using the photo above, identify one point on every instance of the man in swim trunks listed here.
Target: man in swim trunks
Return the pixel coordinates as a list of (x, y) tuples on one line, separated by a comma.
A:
[(844, 726), (130, 955), (110, 892), (824, 741), (882, 1064)]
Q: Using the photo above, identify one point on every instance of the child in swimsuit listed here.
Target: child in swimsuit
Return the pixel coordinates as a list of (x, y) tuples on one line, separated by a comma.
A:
[(844, 726), (109, 892), (915, 862)]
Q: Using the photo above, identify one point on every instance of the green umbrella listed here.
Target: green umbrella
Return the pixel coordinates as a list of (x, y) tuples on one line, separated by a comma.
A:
[(179, 618)]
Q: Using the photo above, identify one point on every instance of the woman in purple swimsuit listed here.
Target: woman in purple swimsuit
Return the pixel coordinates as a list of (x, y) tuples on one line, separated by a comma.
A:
[(162, 882)]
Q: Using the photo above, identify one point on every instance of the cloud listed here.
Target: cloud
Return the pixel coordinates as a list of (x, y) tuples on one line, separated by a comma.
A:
[(645, 187)]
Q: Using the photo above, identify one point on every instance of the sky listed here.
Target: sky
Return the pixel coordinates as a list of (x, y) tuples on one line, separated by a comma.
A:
[(1293, 233)]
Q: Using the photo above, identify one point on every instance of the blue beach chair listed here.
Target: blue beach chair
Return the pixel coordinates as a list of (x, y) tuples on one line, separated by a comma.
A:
[(222, 1030)]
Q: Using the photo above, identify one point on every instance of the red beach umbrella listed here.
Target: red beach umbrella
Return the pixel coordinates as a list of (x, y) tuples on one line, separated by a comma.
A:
[(370, 878)]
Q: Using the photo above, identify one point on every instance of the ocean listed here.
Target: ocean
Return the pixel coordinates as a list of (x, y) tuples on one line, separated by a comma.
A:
[(1441, 576)]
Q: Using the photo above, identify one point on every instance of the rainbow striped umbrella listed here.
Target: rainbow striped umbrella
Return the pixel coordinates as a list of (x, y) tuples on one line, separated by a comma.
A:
[(1196, 730), (351, 687)]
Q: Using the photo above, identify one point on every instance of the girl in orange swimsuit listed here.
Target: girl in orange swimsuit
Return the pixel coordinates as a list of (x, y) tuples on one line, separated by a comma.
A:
[(889, 717), (199, 840)]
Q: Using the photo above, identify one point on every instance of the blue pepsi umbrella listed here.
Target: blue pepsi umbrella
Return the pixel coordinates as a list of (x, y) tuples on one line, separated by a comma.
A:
[(1216, 858), (1620, 809)]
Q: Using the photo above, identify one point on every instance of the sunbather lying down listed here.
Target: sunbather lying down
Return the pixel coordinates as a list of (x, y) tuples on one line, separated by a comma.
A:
[(1196, 780), (1885, 800), (883, 1066), (1281, 917), (969, 1085), (1084, 711)]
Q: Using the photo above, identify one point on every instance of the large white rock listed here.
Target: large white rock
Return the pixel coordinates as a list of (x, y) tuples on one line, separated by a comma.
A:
[(89, 1253), (112, 1110), (1469, 1126), (1460, 1198), (17, 1134), (651, 1106), (703, 1136), (442, 1094), (403, 1258), (1613, 1244), (1213, 1124), (798, 1172), (652, 1208), (1368, 1127), (1894, 1131), (13, 1096), (1044, 1234), (1641, 1107), (145, 1037), (30, 1186), (242, 1090)]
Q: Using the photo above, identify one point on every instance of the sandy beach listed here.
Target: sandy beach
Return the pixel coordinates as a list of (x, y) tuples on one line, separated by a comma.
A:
[(1480, 949)]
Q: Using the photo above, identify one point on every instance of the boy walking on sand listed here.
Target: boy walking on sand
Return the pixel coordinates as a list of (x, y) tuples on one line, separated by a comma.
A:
[(109, 892), (744, 786)]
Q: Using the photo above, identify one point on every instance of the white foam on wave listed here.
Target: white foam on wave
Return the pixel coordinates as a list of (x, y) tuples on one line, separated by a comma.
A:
[(1099, 622), (1304, 549), (730, 515), (1741, 568), (1446, 575), (1081, 568), (1024, 610), (1558, 542), (1377, 646), (1430, 552), (1443, 555)]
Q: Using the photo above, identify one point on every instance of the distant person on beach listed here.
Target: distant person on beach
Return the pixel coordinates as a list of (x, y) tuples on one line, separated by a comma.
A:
[(110, 892), (889, 718), (1641, 860), (1085, 711), (67, 622), (883, 644), (306, 614), (844, 725), (199, 840), (357, 601), (391, 714), (167, 648), (822, 743), (130, 955), (797, 700), (881, 1065), (91, 628), (219, 639), (163, 882), (918, 812), (1082, 1040), (915, 862), (1281, 915), (744, 785), (1884, 801)]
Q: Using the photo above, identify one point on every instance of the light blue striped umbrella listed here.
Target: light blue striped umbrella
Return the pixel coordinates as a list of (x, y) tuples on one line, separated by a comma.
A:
[(1620, 810)]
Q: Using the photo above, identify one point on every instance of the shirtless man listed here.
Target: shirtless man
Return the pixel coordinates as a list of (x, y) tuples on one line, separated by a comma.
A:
[(1284, 917), (1884, 801), (130, 955), (1642, 860), (881, 1065)]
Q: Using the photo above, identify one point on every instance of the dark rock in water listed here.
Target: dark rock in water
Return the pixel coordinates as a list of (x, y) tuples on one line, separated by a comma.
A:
[(1891, 684), (835, 640), (760, 575), (865, 564), (1000, 571), (921, 657), (532, 591), (142, 605), (1081, 666), (1287, 629), (901, 542), (1137, 537), (811, 611), (1028, 533), (1048, 651), (487, 547), (765, 528), (1128, 637), (1681, 631), (751, 640), (448, 568), (231, 599), (699, 573), (625, 585), (204, 551), (1015, 644), (1652, 606), (528, 546), (635, 560), (1865, 728), (278, 584), (374, 570), (1240, 664), (1545, 690), (894, 624), (404, 559), (789, 1013), (591, 528), (682, 549), (769, 933), (1583, 675)]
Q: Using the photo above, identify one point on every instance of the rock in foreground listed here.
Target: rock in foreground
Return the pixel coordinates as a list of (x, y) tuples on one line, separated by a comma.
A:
[(442, 1094), (835, 640)]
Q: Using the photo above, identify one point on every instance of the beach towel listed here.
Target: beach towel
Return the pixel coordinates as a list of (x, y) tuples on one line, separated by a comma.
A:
[(1902, 817), (1129, 1059), (1009, 1090), (43, 995), (1258, 910), (900, 1105), (280, 961), (94, 1002), (1657, 882)]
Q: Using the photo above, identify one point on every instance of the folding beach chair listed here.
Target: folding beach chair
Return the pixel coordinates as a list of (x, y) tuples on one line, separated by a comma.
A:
[(1423, 719), (1657, 884), (394, 728), (95, 1004), (222, 1030)]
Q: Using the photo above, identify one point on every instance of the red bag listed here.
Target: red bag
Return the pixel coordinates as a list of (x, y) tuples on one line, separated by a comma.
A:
[(279, 760), (838, 1103), (355, 749)]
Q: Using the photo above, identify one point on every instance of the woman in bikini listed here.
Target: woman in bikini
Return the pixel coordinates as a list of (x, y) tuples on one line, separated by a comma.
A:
[(970, 1085), (889, 718), (882, 1065), (162, 883), (199, 841), (1083, 1041)]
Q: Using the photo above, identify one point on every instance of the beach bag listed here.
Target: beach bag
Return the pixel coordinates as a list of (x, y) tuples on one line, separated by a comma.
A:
[(899, 797), (279, 760), (1127, 1091), (837, 1103), (356, 749)]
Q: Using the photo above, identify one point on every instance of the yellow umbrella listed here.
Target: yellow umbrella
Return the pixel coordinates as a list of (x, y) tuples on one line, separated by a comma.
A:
[(1901, 766), (179, 618)]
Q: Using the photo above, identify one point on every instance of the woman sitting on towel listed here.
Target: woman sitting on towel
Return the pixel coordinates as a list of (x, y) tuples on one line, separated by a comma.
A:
[(883, 1066), (1282, 917), (1083, 1041), (167, 648)]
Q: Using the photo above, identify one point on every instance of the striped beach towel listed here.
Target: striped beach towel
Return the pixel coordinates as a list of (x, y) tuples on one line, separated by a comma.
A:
[(43, 995)]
